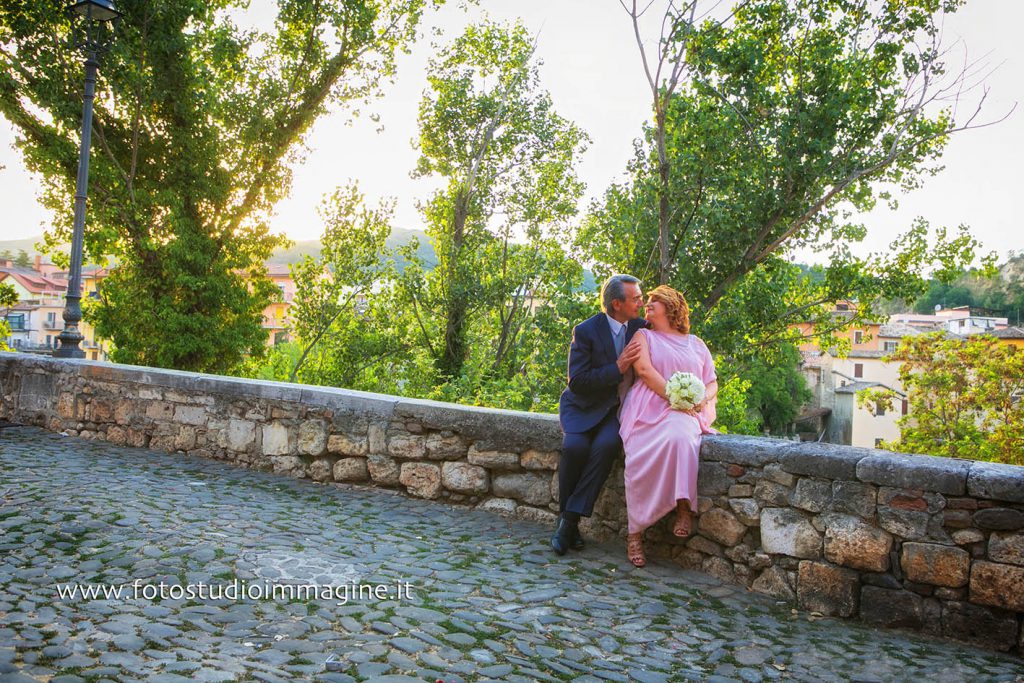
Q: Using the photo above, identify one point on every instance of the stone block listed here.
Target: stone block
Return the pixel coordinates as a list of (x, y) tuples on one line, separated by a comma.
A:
[(936, 565), (789, 532), (313, 437), (704, 545), (775, 473), (422, 479), (999, 519), (348, 444), (190, 415), (907, 524), (290, 465), (926, 472), (776, 582), (539, 460), (851, 542), (383, 469), (66, 405), (956, 519), (240, 434), (351, 469), (989, 628), (117, 435), (742, 450), (813, 495), (408, 447), (532, 514), (321, 469), (100, 410), (828, 461), (998, 585), (768, 492), (891, 608), (854, 497), (720, 568), (531, 488), (160, 411), (377, 440), (445, 447), (124, 412), (498, 460), (721, 526), (967, 536), (502, 506), (746, 510), (462, 477), (826, 589), (741, 491), (996, 481), (277, 439), (185, 438), (1006, 547), (713, 480)]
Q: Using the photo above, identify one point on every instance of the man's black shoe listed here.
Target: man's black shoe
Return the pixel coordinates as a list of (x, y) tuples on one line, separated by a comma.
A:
[(565, 534), (577, 541)]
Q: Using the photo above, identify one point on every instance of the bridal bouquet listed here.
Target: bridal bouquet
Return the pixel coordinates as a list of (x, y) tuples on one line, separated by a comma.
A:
[(685, 390)]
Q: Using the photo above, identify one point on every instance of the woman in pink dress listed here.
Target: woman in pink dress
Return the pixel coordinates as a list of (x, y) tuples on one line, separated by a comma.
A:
[(662, 443)]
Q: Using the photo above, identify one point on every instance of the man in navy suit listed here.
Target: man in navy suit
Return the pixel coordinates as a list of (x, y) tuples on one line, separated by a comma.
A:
[(599, 358)]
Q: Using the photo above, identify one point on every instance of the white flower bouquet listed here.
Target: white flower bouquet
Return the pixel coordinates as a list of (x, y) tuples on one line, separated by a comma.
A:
[(685, 390)]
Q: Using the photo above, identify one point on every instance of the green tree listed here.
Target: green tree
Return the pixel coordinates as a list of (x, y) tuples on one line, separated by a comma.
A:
[(197, 124), (8, 298), (336, 313), (963, 398), (771, 129), (22, 260), (491, 133)]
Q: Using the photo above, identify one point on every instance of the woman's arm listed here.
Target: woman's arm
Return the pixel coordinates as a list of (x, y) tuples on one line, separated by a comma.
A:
[(710, 394), (645, 370)]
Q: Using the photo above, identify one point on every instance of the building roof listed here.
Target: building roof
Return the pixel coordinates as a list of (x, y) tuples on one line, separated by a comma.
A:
[(899, 330), (33, 281), (854, 387), (1006, 333)]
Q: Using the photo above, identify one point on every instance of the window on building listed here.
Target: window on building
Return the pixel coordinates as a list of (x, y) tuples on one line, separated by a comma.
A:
[(879, 410), (858, 337), (858, 369), (905, 407), (890, 346)]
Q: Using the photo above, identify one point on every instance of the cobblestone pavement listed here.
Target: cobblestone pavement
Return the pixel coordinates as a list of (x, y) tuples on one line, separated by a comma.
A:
[(488, 599)]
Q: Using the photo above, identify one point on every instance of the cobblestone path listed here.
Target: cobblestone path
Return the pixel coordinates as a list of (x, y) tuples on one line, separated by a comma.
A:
[(488, 599)]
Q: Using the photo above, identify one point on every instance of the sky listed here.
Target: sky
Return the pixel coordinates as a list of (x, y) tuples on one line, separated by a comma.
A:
[(591, 67)]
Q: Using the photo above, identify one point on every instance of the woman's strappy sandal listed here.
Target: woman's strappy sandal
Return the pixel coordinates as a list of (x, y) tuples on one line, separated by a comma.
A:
[(635, 549)]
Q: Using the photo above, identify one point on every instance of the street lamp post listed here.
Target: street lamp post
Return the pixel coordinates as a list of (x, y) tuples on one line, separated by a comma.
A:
[(95, 14)]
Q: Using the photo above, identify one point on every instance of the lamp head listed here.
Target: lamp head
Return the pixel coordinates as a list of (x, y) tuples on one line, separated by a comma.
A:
[(96, 10)]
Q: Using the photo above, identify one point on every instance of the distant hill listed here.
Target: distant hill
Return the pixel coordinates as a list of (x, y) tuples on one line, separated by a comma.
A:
[(294, 254), (28, 245), (399, 237)]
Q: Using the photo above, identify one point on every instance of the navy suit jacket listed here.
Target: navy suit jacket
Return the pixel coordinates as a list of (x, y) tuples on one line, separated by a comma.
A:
[(593, 374)]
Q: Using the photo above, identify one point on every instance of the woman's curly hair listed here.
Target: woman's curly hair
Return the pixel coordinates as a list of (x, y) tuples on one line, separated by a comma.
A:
[(676, 309)]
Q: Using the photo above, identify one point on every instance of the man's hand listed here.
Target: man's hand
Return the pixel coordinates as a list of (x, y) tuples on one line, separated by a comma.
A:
[(629, 355)]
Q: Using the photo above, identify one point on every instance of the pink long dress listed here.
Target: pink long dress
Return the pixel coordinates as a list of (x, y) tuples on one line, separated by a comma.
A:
[(662, 444)]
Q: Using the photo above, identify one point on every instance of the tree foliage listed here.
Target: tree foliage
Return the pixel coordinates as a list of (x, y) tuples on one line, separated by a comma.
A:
[(8, 298), (964, 398), (776, 127), (508, 160), (197, 125)]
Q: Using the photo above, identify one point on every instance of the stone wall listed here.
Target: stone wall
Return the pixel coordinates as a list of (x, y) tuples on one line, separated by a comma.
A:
[(919, 542)]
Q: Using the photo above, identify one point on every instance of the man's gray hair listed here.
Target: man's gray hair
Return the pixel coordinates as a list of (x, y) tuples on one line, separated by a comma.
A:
[(614, 289)]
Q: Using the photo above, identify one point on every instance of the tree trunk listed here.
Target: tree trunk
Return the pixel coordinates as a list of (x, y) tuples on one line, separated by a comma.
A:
[(664, 258), (454, 354)]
